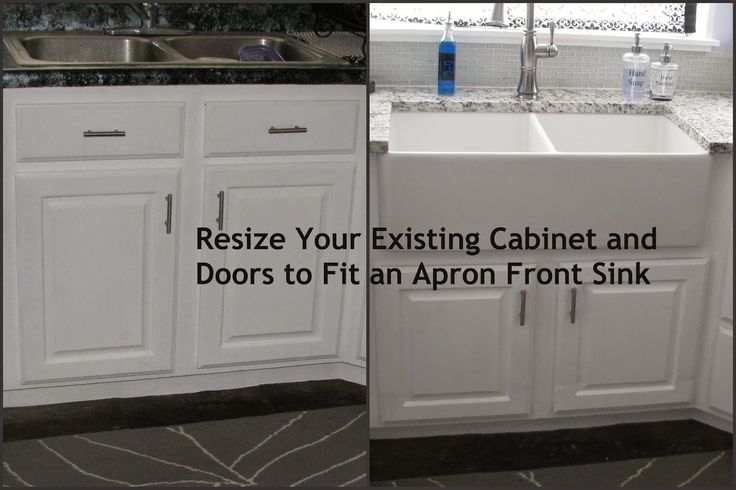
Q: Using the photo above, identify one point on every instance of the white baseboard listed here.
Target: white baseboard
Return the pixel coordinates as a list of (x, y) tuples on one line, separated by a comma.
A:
[(715, 421), (493, 427), (353, 373), (182, 384)]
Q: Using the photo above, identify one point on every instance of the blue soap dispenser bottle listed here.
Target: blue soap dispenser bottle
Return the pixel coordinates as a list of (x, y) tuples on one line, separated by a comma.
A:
[(446, 61)]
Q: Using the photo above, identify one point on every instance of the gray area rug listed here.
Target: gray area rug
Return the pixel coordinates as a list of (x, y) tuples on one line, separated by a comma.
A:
[(711, 469), (325, 447)]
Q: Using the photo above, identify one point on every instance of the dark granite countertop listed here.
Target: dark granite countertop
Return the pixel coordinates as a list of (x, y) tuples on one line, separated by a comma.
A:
[(301, 20), (15, 76)]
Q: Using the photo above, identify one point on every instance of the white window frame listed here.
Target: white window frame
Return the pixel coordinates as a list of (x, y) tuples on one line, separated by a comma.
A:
[(701, 40)]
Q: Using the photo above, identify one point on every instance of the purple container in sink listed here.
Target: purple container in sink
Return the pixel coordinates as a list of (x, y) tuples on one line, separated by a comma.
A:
[(258, 52)]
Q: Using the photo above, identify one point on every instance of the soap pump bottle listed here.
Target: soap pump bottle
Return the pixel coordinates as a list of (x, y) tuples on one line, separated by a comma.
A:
[(664, 76), (446, 61), (636, 66)]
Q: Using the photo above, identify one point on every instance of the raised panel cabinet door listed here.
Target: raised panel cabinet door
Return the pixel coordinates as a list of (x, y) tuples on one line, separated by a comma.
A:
[(452, 353), (254, 322), (629, 345), (96, 273)]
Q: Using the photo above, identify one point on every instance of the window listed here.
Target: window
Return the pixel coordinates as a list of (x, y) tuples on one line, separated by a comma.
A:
[(579, 24), (644, 17)]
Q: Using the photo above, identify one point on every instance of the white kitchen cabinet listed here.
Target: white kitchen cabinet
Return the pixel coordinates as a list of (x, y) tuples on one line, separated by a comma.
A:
[(96, 272), (256, 323), (629, 345), (100, 301), (454, 352)]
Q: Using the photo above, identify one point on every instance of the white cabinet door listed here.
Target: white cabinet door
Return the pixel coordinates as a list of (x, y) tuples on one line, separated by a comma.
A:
[(96, 273), (452, 353), (629, 345), (720, 391), (720, 395), (255, 323)]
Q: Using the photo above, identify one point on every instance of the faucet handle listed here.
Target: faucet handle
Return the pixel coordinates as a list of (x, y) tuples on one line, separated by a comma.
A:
[(551, 47), (552, 26)]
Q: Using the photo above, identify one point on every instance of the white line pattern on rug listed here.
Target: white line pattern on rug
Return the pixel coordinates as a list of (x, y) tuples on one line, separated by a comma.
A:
[(530, 478), (159, 460), (342, 463), (435, 482), (354, 480), (180, 482), (197, 471), (638, 473), (15, 475), (701, 470), (309, 444), (180, 430), (82, 471), (268, 438)]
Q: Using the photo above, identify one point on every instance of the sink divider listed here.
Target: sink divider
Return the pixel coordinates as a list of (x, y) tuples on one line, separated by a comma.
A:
[(544, 142)]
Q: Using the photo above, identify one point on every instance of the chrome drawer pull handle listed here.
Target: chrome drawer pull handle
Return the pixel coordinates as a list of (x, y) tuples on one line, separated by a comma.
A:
[(522, 312), (104, 134), (573, 304), (295, 129), (169, 199), (221, 209)]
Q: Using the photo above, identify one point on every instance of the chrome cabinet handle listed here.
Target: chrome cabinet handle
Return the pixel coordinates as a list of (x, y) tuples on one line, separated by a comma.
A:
[(295, 129), (221, 209), (169, 199), (573, 303), (522, 311), (103, 134)]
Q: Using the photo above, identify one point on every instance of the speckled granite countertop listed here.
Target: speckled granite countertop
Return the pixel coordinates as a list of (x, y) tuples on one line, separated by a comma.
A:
[(707, 118)]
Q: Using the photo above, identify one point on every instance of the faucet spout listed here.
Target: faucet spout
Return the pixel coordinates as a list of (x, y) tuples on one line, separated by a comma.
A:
[(529, 17), (148, 13), (497, 16), (531, 51)]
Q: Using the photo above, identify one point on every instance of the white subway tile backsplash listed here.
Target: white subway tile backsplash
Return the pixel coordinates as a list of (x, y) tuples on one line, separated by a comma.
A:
[(497, 65)]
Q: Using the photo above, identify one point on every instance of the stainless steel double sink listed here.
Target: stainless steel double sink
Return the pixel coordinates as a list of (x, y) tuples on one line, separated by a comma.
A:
[(93, 49)]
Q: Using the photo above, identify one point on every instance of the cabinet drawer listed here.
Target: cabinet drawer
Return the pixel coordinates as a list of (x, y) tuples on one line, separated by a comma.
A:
[(99, 131), (279, 127)]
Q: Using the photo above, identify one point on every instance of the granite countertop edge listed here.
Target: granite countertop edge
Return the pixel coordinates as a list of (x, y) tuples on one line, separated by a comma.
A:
[(349, 75), (707, 118)]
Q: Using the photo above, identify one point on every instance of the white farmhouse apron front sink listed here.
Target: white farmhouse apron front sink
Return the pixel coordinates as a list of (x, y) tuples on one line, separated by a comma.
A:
[(470, 172)]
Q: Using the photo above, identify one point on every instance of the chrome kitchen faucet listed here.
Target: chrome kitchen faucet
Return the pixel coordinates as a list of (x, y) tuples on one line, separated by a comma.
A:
[(530, 53), (147, 12)]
